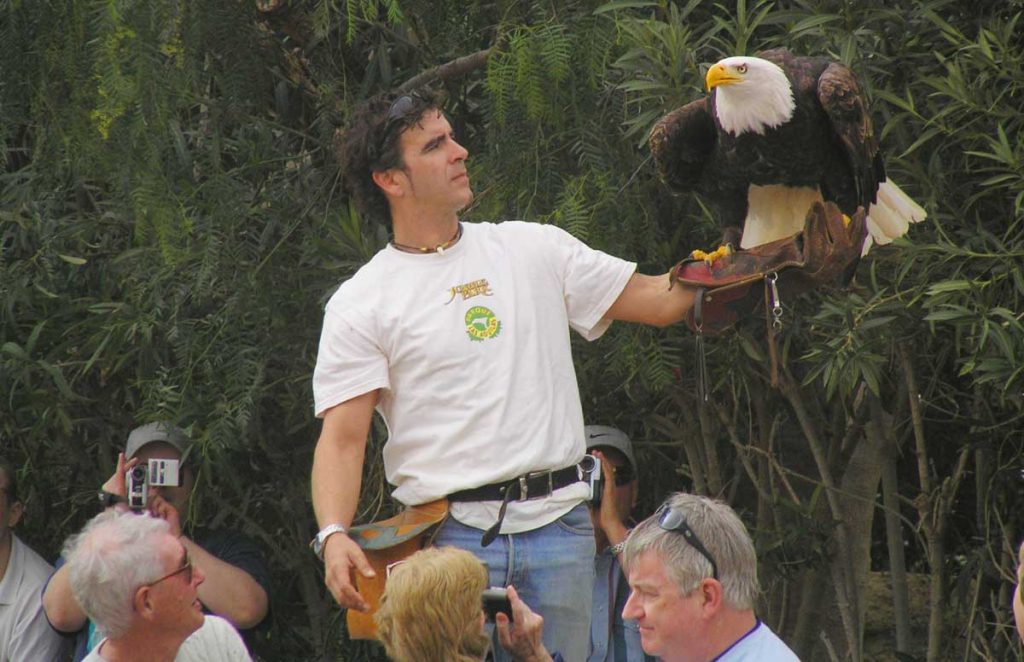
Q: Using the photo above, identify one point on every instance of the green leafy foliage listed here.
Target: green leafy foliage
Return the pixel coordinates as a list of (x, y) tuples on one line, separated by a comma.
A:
[(172, 222)]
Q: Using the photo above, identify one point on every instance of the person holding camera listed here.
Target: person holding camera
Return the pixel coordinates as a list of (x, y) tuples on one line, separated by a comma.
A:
[(612, 638), (135, 579), (431, 610), (236, 577)]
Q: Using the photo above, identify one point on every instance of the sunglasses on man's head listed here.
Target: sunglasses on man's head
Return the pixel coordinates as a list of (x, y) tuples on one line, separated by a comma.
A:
[(401, 110), (672, 520)]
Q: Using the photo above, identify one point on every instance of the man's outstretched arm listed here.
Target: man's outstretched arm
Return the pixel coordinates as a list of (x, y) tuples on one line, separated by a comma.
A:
[(336, 480), (652, 300), (826, 252)]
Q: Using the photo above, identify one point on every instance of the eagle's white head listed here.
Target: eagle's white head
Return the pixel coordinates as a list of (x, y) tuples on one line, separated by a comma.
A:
[(753, 94)]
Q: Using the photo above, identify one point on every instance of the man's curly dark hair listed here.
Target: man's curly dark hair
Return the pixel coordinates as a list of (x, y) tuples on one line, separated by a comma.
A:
[(371, 142)]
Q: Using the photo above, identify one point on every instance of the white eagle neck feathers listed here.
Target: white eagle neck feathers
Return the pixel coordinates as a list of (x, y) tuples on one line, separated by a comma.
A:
[(757, 96)]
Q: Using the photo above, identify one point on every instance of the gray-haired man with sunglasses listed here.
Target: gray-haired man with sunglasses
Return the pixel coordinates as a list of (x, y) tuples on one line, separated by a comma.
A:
[(693, 573), (135, 580)]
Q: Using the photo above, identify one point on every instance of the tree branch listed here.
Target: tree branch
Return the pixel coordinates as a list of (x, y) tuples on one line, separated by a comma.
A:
[(453, 69)]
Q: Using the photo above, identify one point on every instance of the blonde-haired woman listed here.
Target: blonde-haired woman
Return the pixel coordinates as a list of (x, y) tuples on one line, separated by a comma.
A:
[(432, 610)]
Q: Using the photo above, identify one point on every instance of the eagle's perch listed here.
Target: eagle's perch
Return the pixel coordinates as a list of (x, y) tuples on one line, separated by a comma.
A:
[(776, 133)]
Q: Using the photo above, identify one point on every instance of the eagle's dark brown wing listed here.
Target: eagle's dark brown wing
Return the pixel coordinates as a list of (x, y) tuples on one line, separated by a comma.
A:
[(681, 143), (844, 103)]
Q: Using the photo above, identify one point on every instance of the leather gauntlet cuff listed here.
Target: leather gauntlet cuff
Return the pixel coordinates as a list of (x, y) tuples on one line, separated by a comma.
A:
[(826, 251), (732, 287)]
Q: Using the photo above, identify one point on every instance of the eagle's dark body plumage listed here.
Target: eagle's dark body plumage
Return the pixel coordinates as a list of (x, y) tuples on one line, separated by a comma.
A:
[(820, 139)]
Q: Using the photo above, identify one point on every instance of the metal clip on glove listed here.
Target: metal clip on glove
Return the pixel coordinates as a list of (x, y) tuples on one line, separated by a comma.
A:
[(826, 251)]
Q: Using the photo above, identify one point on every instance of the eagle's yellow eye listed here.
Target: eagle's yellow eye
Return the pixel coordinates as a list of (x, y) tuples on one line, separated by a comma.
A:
[(742, 68)]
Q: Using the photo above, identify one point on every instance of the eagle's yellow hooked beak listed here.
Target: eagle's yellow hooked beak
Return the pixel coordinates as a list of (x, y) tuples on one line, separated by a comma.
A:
[(719, 74)]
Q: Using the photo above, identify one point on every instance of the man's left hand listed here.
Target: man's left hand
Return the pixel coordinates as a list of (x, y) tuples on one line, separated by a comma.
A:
[(523, 637)]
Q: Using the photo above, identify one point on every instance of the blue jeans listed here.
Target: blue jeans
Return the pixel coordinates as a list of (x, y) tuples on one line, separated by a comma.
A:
[(552, 569)]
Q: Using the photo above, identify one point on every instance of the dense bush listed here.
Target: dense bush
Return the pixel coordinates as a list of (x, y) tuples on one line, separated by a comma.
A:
[(171, 223)]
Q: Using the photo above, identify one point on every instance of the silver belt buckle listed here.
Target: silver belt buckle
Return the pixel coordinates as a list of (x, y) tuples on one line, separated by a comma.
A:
[(524, 491)]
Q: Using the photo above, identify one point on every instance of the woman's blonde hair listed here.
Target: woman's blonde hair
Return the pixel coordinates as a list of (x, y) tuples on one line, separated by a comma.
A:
[(431, 608)]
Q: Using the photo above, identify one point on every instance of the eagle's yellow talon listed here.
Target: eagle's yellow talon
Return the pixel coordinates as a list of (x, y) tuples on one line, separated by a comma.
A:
[(720, 252), (713, 256), (846, 221)]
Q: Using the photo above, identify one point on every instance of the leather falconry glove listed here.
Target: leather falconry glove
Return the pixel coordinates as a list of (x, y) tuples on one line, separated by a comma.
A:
[(827, 251)]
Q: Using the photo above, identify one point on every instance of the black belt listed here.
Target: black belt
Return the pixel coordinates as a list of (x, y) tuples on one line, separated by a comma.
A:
[(533, 485)]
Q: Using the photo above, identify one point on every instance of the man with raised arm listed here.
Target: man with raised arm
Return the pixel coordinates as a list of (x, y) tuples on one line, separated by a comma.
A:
[(458, 335)]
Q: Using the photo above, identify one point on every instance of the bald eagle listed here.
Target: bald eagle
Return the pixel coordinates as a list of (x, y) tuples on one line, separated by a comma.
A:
[(776, 133)]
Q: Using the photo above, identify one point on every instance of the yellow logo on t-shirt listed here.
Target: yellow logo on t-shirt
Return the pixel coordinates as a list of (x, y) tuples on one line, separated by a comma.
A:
[(472, 289), (481, 323)]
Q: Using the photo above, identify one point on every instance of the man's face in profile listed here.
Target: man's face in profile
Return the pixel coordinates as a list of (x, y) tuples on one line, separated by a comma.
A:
[(434, 165), (175, 597), (670, 623)]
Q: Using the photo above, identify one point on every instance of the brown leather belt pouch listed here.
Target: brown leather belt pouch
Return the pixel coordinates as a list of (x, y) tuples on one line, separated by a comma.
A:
[(384, 543)]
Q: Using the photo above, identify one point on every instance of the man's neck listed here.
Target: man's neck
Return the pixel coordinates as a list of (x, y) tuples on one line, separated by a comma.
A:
[(134, 646), (423, 229), (729, 627)]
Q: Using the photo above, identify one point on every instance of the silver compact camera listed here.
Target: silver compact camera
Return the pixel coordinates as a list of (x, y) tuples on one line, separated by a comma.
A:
[(590, 468), (155, 473)]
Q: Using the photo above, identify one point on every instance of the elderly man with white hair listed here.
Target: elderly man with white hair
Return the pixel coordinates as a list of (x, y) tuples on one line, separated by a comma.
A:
[(693, 573), (134, 579)]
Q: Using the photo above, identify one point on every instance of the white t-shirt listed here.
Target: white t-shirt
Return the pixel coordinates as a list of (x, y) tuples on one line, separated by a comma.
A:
[(758, 645), (25, 634), (215, 641), (470, 348)]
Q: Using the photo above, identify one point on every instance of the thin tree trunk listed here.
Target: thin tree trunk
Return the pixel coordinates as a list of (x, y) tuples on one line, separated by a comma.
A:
[(808, 613), (843, 575), (933, 506), (897, 558)]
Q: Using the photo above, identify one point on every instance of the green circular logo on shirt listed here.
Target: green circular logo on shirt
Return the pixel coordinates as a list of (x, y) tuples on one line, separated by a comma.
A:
[(481, 323)]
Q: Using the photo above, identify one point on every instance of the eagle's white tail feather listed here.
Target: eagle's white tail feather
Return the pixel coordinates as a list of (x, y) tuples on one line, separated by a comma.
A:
[(891, 215), (885, 223)]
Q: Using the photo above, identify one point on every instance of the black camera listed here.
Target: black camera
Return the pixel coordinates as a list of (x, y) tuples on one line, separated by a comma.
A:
[(590, 469), (496, 601), (155, 473)]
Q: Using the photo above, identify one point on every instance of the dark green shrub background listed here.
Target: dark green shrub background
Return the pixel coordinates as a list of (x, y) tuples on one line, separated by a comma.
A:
[(171, 223)]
